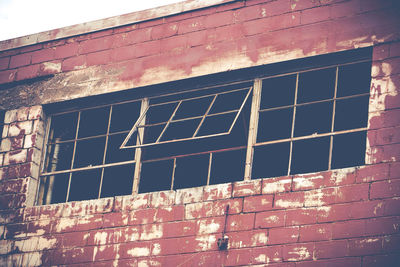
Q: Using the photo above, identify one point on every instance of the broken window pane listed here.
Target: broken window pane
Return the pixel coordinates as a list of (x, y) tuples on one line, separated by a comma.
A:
[(191, 171), (310, 155), (354, 79), (227, 166), (316, 85), (156, 176), (275, 124), (55, 188), (59, 156), (348, 149), (85, 185), (124, 116), (89, 152), (117, 180), (180, 130), (193, 108), (63, 127), (313, 119), (271, 160), (278, 92), (114, 153), (351, 113), (93, 122)]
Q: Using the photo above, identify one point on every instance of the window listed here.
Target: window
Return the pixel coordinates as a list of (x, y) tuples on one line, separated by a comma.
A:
[(282, 119)]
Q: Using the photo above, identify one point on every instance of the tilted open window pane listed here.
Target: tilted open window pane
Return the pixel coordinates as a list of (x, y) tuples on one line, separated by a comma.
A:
[(189, 118)]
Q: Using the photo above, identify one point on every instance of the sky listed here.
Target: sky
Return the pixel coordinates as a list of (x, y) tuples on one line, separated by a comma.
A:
[(24, 17)]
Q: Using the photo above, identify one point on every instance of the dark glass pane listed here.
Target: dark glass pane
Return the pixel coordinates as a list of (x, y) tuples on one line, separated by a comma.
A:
[(191, 171), (55, 187), (351, 113), (59, 156), (354, 79), (275, 124), (63, 127), (160, 113), (85, 185), (93, 122), (180, 130), (316, 85), (348, 150), (313, 118), (277, 92), (117, 180), (152, 133), (271, 160), (228, 166), (228, 101), (193, 108), (114, 153), (310, 155), (89, 152), (124, 116), (156, 176), (216, 124)]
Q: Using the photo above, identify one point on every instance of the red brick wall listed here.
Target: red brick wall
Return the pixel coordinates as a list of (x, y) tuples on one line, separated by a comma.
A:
[(347, 217)]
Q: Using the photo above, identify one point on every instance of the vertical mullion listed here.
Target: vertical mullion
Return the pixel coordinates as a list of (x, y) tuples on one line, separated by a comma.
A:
[(173, 175), (253, 127), (73, 155), (333, 119), (44, 164), (105, 150), (209, 168), (138, 150), (293, 123)]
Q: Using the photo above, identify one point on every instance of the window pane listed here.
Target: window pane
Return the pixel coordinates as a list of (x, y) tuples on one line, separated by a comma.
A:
[(348, 150), (191, 171), (93, 122), (216, 124), (271, 160), (160, 113), (152, 133), (228, 166), (63, 127), (117, 180), (89, 152), (114, 153), (156, 176), (351, 113), (275, 124), (193, 108), (313, 118), (310, 155), (180, 130), (59, 156), (277, 92), (124, 116), (354, 79), (85, 185), (55, 188), (228, 101), (316, 85)]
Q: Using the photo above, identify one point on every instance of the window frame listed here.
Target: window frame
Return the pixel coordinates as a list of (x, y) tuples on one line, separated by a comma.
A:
[(252, 143)]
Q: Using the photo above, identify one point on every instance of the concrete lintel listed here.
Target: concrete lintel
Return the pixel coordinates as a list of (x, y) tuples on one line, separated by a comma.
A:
[(107, 23)]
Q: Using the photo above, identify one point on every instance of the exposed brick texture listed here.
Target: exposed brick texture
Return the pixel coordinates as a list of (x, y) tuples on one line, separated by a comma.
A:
[(347, 217)]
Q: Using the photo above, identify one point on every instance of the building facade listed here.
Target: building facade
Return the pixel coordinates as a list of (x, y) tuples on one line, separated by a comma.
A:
[(205, 133)]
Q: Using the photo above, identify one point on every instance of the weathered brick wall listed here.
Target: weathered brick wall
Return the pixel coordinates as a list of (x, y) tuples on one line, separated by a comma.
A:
[(347, 217)]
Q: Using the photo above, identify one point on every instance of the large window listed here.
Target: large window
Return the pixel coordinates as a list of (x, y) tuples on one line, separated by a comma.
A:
[(307, 118)]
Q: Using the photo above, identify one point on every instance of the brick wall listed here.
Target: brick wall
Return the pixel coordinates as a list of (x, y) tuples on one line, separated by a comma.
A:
[(346, 217)]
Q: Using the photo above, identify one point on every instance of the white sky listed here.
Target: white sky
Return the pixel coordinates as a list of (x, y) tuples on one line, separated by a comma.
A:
[(24, 17)]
